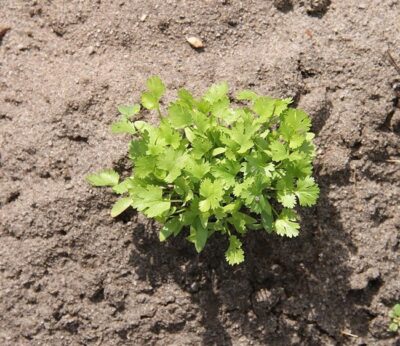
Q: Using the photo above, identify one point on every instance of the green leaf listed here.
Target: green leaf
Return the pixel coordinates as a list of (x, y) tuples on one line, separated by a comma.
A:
[(144, 166), (298, 120), (149, 200), (156, 86), (216, 92), (264, 106), (243, 136), (128, 111), (198, 234), (120, 206), (169, 135), (246, 95), (123, 186), (393, 327), (286, 224), (172, 226), (107, 177), (282, 105), (226, 171), (307, 191), (266, 213), (179, 115), (218, 151), (123, 126), (234, 254), (396, 310), (172, 161), (200, 147), (198, 169), (288, 200), (149, 101), (278, 151), (285, 193), (212, 192)]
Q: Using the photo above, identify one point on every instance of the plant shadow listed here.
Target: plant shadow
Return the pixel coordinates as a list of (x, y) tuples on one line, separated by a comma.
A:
[(288, 291)]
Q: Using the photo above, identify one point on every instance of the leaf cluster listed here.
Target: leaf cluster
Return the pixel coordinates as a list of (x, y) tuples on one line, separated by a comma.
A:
[(394, 315), (212, 165)]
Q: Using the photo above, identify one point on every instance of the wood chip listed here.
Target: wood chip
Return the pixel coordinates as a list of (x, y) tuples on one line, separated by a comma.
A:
[(195, 42)]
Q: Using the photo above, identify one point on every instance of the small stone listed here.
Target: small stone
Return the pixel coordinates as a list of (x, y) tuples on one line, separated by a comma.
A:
[(194, 287), (91, 50), (195, 42), (143, 17)]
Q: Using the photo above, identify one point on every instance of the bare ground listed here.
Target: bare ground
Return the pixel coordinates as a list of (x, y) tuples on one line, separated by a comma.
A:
[(71, 275)]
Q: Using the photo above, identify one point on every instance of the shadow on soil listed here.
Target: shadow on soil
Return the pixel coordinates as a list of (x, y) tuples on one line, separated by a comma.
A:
[(287, 292)]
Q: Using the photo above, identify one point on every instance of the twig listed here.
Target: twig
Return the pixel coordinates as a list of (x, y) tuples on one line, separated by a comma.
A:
[(392, 61), (349, 334)]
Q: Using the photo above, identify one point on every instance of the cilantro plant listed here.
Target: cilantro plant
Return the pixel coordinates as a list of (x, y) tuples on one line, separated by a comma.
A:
[(394, 315), (211, 166)]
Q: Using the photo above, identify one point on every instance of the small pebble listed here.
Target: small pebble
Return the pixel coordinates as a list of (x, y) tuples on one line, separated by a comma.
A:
[(195, 42)]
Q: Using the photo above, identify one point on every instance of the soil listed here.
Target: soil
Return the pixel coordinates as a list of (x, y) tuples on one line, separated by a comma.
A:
[(72, 275)]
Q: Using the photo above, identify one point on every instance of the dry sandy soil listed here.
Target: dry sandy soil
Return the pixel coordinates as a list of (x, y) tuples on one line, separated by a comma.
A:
[(71, 275)]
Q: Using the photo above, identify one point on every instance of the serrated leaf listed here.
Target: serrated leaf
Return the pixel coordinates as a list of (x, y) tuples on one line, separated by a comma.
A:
[(264, 106), (144, 166), (243, 136), (149, 101), (282, 105), (123, 186), (107, 177), (123, 126), (307, 191), (169, 135), (286, 224), (234, 254), (172, 161), (198, 169), (156, 86), (128, 111), (201, 146), (120, 206), (246, 95), (149, 200), (278, 151), (226, 171), (285, 193), (216, 92), (179, 116), (212, 193), (288, 200)]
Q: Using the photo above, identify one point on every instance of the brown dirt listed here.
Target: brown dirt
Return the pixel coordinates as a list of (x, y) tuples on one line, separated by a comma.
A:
[(71, 275)]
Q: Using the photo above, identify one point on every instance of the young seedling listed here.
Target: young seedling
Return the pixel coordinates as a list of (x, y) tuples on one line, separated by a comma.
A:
[(394, 315), (211, 166)]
